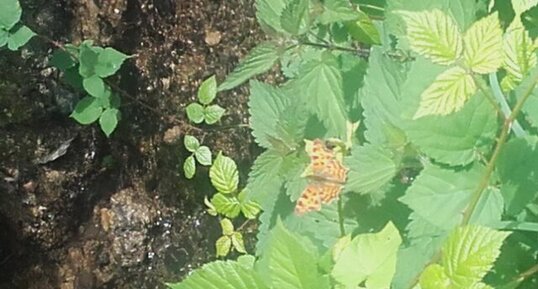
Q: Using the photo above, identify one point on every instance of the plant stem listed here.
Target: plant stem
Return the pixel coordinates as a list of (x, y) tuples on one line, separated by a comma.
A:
[(361, 52), (487, 94), (522, 277), (505, 108), (341, 218)]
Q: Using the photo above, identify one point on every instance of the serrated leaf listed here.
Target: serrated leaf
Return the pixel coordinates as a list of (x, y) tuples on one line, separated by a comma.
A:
[(369, 258), (434, 35), (264, 180), (203, 155), (337, 10), (20, 37), (213, 113), (268, 13), (223, 246), (228, 206), (447, 94), (247, 261), (469, 254), (363, 30), (62, 60), (370, 168), (521, 6), (321, 88), (295, 17), (250, 209), (10, 13), (456, 139), (95, 86), (227, 227), (260, 59), (483, 45), (189, 167), (433, 277), (109, 120), (519, 53), (238, 243), (224, 175), (195, 112), (222, 275), (109, 62), (530, 107), (291, 261), (207, 90), (87, 110), (191, 143)]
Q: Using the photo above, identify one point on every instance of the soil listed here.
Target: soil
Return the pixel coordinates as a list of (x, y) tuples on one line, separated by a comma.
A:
[(79, 210)]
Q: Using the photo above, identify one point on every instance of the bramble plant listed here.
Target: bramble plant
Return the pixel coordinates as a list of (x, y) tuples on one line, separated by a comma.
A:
[(84, 67), (394, 157), (199, 153), (205, 111)]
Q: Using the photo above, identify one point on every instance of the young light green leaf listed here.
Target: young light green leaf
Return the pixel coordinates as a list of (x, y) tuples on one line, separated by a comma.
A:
[(456, 139), (189, 167), (434, 277), (434, 34), (370, 168), (249, 208), (363, 29), (87, 110), (447, 94), (195, 112), (10, 13), (336, 11), (109, 62), (191, 143), (369, 258), (291, 261), (519, 54), (260, 59), (222, 275), (203, 155), (226, 205), (213, 113), (223, 246), (224, 175), (295, 17), (95, 86), (483, 45), (227, 227), (20, 37), (208, 90), (109, 120), (238, 243), (211, 209)]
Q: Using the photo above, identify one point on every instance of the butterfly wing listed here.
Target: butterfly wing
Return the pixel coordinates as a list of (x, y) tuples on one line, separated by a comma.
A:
[(310, 199)]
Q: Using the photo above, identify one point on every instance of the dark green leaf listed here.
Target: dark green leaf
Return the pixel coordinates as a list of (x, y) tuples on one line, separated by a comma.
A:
[(87, 110), (62, 60), (268, 13), (109, 120), (88, 60), (195, 112), (337, 10), (371, 168), (4, 36), (363, 30)]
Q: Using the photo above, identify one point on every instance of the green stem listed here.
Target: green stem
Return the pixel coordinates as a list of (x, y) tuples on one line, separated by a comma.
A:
[(505, 108), (522, 277), (361, 52), (479, 82), (341, 218)]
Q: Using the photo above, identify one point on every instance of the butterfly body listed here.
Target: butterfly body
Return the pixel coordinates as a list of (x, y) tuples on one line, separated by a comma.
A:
[(326, 176)]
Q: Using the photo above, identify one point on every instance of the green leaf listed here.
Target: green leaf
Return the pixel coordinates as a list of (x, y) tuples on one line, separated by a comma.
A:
[(483, 45), (434, 276), (213, 113), (518, 171), (369, 258), (264, 180), (440, 195), (320, 86), (195, 112), (62, 60), (530, 107), (364, 30), (268, 13), (95, 86), (222, 275), (295, 17), (20, 37), (203, 155), (259, 60), (208, 90), (223, 246), (336, 11), (370, 168), (447, 94), (88, 58), (238, 243), (109, 120), (4, 37), (468, 255), (109, 62), (223, 174), (189, 167), (227, 227), (456, 139), (521, 6), (191, 143), (519, 53), (228, 206), (72, 77), (10, 13), (87, 110), (434, 35), (291, 261), (249, 208)]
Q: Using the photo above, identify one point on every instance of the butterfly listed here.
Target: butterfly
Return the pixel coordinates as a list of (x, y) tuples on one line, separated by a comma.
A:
[(326, 177)]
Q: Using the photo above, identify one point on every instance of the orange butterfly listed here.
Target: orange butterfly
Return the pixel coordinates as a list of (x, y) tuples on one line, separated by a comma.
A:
[(326, 176)]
